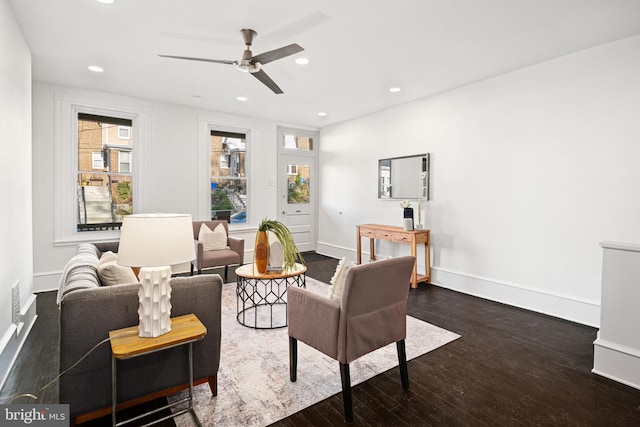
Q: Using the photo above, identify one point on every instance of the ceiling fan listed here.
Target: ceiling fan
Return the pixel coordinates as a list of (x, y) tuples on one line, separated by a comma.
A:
[(252, 64)]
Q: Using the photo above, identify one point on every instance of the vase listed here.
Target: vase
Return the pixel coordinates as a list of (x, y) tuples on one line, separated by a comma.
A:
[(408, 219), (262, 251)]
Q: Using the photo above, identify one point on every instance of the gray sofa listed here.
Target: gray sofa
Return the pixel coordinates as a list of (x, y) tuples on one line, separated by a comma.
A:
[(88, 313)]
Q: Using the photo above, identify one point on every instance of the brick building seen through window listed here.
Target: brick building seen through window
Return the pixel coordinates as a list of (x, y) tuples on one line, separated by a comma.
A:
[(105, 171)]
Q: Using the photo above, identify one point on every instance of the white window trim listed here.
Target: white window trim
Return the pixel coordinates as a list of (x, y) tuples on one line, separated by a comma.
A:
[(67, 108), (205, 126)]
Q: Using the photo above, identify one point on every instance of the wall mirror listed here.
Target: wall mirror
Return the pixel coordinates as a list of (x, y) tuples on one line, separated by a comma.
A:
[(404, 177)]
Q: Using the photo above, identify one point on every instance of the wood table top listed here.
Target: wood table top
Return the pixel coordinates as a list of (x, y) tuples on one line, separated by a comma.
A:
[(126, 343)]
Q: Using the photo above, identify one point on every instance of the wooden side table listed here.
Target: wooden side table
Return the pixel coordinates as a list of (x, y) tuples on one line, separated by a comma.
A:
[(398, 235), (126, 344)]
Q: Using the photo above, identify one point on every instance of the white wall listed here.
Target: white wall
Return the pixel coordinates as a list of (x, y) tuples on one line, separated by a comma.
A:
[(529, 172), (15, 175), (173, 178)]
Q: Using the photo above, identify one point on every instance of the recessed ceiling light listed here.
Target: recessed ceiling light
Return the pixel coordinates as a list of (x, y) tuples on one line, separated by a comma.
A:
[(302, 61), (105, 1), (241, 98), (395, 90), (322, 114), (95, 68)]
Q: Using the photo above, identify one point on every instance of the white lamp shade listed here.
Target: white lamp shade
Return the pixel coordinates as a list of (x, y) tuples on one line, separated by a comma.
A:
[(154, 240)]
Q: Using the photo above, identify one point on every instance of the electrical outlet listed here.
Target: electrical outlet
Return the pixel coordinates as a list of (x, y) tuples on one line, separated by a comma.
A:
[(15, 303)]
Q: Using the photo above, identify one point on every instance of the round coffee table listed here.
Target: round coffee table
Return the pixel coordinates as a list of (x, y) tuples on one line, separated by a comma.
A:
[(262, 297)]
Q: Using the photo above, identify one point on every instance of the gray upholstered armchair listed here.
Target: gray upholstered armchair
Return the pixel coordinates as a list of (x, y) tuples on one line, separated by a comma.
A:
[(234, 255), (371, 314)]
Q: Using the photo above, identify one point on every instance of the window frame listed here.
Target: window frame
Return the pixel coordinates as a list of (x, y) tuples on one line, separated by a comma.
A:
[(67, 108), (206, 124)]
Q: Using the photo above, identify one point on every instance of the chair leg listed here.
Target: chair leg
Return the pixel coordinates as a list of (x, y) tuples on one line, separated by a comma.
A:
[(191, 269), (226, 270), (213, 384), (402, 362), (293, 359), (346, 392)]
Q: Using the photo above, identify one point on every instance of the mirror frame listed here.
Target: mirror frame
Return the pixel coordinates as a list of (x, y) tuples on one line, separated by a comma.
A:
[(385, 168)]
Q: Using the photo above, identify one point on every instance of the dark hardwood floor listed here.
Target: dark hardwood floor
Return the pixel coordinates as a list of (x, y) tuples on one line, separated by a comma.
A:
[(511, 367)]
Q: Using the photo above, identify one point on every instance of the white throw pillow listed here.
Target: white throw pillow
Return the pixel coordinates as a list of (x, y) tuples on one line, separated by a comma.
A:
[(112, 273), (338, 279), (213, 240), (108, 256)]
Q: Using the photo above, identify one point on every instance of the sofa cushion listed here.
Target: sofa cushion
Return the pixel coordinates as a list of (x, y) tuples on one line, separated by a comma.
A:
[(338, 279), (112, 273), (108, 256), (213, 240)]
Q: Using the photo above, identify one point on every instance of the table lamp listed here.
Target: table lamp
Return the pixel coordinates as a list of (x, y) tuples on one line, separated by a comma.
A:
[(155, 242)]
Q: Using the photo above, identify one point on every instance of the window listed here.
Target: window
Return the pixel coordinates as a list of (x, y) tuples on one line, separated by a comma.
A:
[(104, 170), (124, 161), (298, 184), (224, 161), (76, 117), (97, 160), (124, 132), (297, 142), (228, 176)]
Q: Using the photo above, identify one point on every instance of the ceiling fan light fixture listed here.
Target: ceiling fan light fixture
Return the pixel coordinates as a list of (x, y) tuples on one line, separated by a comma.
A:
[(248, 67)]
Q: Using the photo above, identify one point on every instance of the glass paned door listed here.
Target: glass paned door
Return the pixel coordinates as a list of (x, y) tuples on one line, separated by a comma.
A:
[(297, 199)]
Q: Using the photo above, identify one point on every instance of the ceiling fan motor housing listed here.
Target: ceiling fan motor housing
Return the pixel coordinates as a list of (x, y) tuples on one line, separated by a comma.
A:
[(248, 36)]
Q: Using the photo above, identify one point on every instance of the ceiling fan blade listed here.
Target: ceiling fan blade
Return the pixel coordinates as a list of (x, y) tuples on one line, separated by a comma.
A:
[(262, 76), (272, 55), (189, 58)]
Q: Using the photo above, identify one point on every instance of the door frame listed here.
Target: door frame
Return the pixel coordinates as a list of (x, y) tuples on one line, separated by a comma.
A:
[(310, 157)]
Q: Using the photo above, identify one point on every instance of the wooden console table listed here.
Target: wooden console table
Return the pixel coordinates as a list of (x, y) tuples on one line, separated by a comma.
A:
[(398, 235)]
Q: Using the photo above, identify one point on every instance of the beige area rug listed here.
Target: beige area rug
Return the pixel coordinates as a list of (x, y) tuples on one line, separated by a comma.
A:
[(253, 379)]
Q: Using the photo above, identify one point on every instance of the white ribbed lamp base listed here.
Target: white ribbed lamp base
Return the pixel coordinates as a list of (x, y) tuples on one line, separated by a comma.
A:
[(154, 295)]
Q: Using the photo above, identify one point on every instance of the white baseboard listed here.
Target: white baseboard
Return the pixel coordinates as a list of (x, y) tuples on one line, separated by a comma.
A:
[(47, 281), (334, 251), (15, 336), (561, 306), (616, 362)]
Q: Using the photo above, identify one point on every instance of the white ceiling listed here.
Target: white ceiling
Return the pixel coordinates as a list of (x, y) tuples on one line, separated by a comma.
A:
[(357, 49)]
